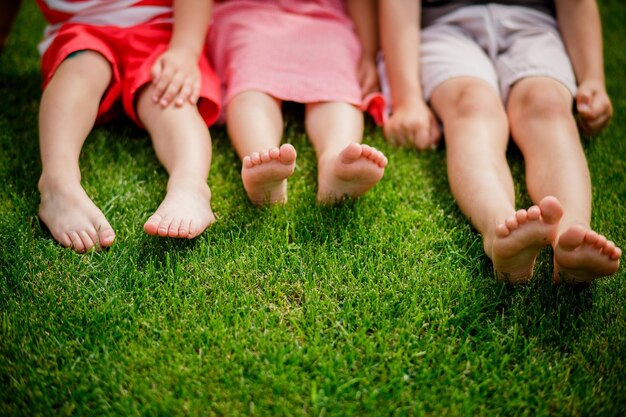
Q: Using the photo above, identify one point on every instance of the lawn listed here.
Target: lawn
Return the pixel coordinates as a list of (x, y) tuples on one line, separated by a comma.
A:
[(381, 306)]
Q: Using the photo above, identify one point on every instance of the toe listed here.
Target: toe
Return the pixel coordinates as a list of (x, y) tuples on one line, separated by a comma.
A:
[(65, 240), (174, 228), (77, 242), (93, 236), (616, 254), (351, 153), (274, 153), (151, 226), (106, 237), (287, 153), (502, 230), (551, 209), (265, 157), (534, 213), (193, 230), (88, 242), (164, 226), (594, 239), (572, 237), (511, 223), (184, 228), (608, 248)]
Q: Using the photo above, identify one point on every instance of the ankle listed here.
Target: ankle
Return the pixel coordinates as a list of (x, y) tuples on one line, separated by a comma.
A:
[(55, 180), (176, 182)]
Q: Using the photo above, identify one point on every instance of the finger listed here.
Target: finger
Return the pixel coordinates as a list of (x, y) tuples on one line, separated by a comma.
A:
[(401, 134), (163, 83), (589, 129), (421, 137), (601, 105), (185, 92), (594, 126), (156, 70), (195, 92), (173, 89), (183, 95), (583, 100), (434, 134), (157, 73), (390, 134)]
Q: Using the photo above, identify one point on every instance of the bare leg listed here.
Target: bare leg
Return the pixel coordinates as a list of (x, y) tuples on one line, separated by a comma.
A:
[(544, 128), (68, 110), (183, 145), (476, 133), (345, 166), (255, 126)]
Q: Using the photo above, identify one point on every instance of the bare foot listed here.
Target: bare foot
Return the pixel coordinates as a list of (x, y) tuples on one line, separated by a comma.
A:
[(185, 211), (265, 174), (521, 237), (581, 255), (72, 218), (350, 174)]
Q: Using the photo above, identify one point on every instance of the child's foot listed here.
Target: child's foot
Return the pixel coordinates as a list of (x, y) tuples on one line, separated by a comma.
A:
[(265, 174), (521, 237), (72, 218), (185, 212), (581, 255), (350, 174)]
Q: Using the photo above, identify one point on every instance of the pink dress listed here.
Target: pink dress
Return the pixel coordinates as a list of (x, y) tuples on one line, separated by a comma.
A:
[(295, 50)]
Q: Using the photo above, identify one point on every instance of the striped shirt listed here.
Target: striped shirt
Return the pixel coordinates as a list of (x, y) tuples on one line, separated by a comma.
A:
[(120, 13)]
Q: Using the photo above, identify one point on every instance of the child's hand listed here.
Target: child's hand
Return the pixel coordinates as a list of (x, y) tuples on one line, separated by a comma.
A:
[(413, 124), (176, 78), (594, 107), (368, 76)]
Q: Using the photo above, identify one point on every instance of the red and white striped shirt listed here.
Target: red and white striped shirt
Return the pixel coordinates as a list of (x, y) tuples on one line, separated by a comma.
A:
[(120, 13)]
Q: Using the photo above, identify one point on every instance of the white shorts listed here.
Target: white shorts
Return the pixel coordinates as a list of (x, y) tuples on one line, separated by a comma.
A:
[(497, 44)]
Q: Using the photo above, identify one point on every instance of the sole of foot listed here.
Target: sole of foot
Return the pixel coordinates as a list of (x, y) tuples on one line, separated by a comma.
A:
[(264, 174), (521, 237), (350, 174), (581, 256)]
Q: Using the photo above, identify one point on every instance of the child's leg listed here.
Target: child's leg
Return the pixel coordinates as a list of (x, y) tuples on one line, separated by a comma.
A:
[(183, 145), (345, 166), (68, 110), (544, 128), (476, 133), (255, 126)]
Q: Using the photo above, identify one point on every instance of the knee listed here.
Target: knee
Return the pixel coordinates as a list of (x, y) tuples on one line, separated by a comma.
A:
[(87, 69), (476, 101), (540, 101)]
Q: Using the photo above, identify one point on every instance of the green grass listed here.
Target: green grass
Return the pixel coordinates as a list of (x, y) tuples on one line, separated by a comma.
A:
[(383, 306)]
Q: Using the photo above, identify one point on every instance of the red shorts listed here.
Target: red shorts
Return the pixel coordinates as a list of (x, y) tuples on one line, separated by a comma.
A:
[(131, 53)]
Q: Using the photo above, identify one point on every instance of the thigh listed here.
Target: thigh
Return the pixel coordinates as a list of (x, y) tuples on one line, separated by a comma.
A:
[(78, 53), (139, 47), (449, 51), (532, 47)]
